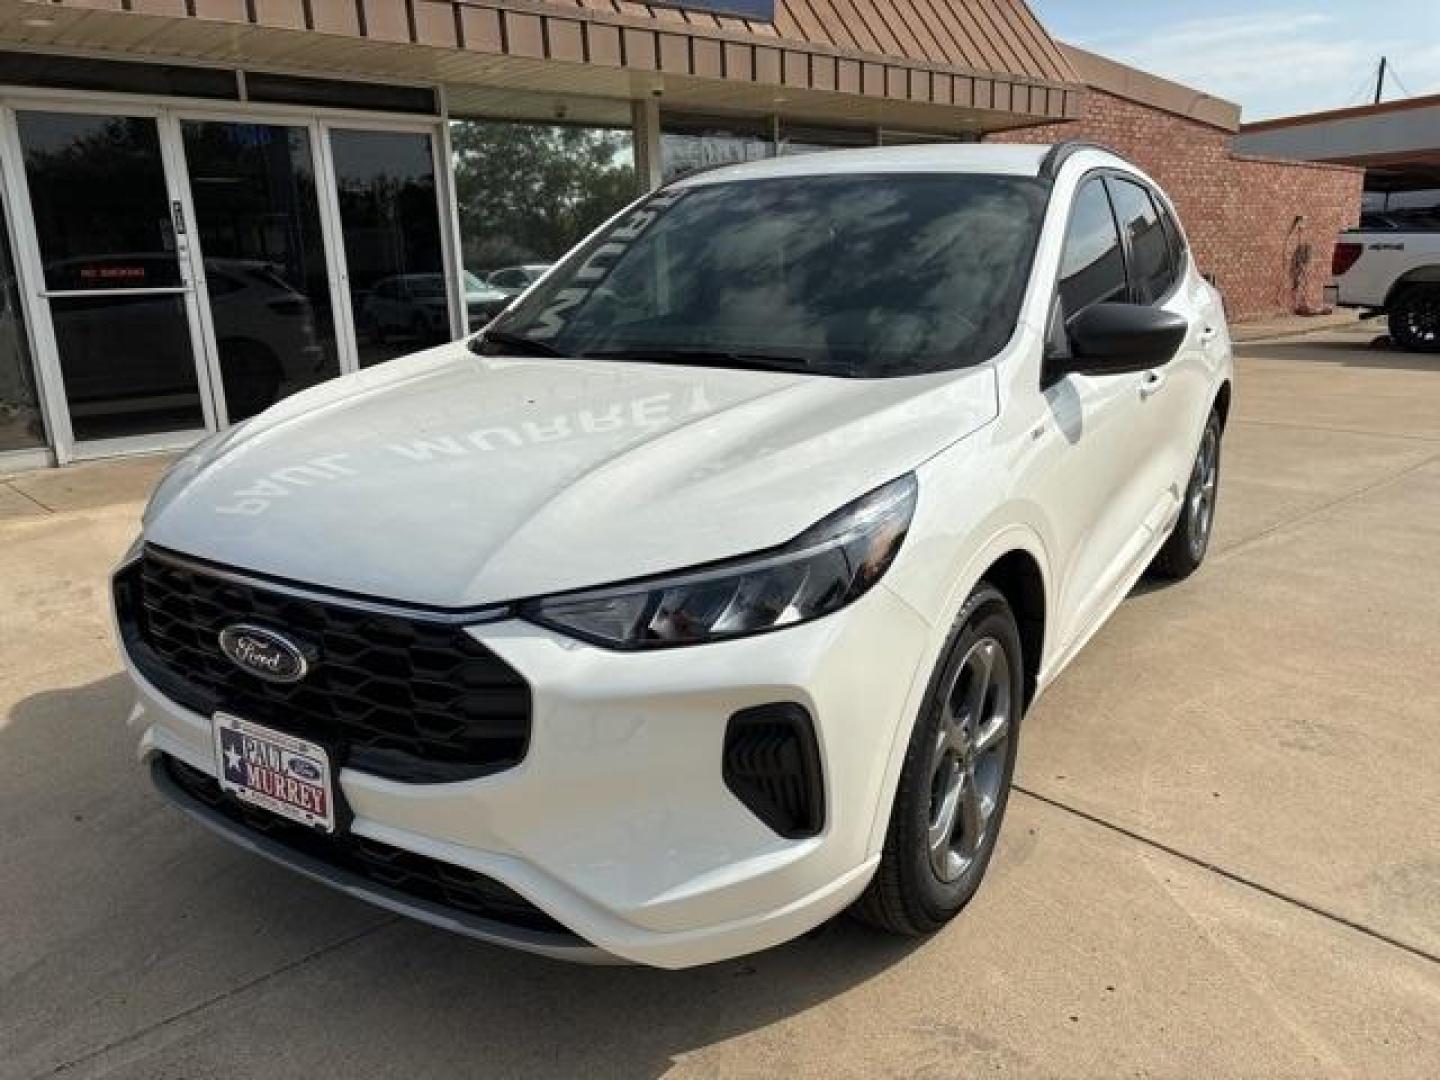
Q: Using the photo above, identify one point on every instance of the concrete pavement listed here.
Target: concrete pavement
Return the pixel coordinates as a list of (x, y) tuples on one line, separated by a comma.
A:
[(1224, 859)]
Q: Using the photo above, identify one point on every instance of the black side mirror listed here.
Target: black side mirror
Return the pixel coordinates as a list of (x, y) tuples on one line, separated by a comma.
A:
[(1112, 339)]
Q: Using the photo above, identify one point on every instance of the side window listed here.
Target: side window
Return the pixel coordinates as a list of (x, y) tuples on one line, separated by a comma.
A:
[(1176, 238), (1092, 265), (1151, 262)]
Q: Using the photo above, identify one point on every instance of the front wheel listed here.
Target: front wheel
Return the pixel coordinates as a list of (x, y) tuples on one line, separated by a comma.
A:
[(955, 782), (1185, 550)]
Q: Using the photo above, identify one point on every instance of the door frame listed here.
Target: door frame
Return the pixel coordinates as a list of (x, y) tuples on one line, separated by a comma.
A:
[(168, 114), (438, 130), (176, 117), (67, 446)]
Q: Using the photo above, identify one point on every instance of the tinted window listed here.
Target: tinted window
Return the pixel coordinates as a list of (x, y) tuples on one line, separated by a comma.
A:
[(116, 76), (1092, 266), (220, 284), (1150, 259), (21, 426), (376, 97), (102, 211), (390, 222), (1176, 239), (850, 275), (258, 216)]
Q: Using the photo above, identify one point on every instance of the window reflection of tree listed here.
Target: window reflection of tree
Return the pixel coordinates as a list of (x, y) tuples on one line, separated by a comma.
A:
[(527, 193)]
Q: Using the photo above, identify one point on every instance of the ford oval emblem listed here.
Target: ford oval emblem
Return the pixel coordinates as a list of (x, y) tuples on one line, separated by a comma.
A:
[(305, 770), (266, 654)]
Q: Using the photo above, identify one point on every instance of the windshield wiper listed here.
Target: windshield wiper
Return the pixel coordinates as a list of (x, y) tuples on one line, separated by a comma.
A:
[(515, 343), (758, 361)]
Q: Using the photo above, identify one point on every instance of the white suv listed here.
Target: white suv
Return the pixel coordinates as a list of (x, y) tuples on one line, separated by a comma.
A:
[(701, 596)]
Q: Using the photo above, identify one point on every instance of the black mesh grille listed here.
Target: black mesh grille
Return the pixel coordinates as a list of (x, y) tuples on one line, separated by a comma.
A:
[(394, 695), (772, 765), (414, 875)]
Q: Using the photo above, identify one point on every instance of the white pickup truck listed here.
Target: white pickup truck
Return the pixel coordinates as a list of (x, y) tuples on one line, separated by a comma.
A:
[(1396, 273)]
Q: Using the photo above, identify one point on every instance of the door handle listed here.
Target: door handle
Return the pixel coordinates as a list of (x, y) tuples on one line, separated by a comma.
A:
[(1151, 383)]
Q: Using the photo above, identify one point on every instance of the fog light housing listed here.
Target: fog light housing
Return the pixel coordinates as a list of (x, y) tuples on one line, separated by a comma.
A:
[(772, 765)]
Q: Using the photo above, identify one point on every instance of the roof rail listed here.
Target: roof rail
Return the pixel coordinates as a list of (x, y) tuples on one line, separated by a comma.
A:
[(1061, 152)]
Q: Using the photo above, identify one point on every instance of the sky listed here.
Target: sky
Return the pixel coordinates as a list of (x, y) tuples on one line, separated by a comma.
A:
[(1272, 57)]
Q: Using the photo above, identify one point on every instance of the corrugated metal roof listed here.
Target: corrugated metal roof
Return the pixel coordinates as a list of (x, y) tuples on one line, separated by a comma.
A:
[(935, 65), (1000, 36)]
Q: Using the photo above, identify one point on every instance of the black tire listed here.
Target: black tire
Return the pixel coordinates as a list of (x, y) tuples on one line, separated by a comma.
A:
[(1414, 317), (1188, 542), (908, 895)]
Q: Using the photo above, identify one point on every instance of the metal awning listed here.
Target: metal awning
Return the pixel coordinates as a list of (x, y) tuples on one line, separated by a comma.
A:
[(943, 65)]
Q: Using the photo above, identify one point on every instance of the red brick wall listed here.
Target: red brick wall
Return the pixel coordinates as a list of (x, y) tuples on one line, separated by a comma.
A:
[(1239, 212)]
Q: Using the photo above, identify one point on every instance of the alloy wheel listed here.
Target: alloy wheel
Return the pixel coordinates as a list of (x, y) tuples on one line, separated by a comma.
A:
[(1204, 480), (1421, 315), (968, 765)]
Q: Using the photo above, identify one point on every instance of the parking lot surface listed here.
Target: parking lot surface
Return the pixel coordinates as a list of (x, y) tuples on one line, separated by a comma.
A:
[(1223, 859)]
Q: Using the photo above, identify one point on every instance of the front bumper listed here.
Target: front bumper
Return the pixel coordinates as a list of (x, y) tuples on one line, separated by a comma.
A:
[(618, 823)]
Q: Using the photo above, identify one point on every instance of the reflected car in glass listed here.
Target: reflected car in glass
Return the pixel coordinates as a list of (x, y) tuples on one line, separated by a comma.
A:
[(513, 280), (415, 306), (702, 595), (264, 330)]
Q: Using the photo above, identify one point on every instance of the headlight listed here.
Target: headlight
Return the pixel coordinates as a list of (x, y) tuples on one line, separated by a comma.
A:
[(820, 571)]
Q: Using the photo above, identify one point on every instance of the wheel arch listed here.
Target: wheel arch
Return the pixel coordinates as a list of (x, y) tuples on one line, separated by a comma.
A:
[(1013, 561), (1018, 577), (1429, 274), (1222, 404)]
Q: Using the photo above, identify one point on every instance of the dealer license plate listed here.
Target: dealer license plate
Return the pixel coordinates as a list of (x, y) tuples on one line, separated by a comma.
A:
[(286, 775)]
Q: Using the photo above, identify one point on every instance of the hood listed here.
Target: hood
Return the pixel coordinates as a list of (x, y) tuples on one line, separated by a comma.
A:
[(455, 480)]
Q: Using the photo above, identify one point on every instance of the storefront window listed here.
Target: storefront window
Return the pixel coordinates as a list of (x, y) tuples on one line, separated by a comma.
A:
[(527, 193), (258, 217), (103, 224), (688, 143), (795, 139), (1414, 209), (390, 221), (20, 425)]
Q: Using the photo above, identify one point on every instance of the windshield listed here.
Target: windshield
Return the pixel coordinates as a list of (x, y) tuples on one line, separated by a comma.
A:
[(865, 276)]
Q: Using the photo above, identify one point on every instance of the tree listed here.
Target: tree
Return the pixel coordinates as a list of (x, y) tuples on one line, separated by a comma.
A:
[(529, 192)]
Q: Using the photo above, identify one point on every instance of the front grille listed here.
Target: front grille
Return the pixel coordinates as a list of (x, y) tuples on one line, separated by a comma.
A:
[(402, 696), (404, 871)]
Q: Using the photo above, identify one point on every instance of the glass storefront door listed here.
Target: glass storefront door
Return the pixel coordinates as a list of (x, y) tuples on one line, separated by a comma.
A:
[(113, 273), (21, 424), (394, 255), (257, 221), (186, 269)]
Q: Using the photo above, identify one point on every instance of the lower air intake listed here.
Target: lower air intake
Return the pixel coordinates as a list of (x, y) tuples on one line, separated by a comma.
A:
[(772, 765)]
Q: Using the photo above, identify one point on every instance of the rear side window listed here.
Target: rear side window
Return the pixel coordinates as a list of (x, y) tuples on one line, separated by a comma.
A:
[(1152, 262), (1176, 238), (1092, 265)]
